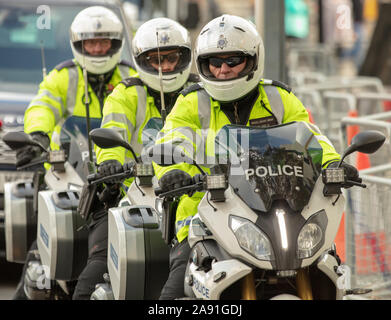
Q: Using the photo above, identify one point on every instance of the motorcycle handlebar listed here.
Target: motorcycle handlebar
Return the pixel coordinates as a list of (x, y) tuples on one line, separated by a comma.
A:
[(351, 183), (31, 164), (97, 178), (199, 186)]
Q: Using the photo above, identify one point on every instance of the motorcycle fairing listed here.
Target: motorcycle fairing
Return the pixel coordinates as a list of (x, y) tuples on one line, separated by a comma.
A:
[(280, 162), (74, 140)]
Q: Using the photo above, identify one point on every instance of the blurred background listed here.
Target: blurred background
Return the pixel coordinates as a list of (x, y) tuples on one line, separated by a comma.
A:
[(335, 54)]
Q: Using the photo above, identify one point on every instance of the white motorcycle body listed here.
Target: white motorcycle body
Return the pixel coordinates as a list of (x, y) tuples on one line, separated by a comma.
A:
[(259, 227), (61, 238), (20, 220), (137, 257), (217, 222)]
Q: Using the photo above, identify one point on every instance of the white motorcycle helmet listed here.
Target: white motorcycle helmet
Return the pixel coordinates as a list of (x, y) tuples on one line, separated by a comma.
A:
[(230, 34), (96, 23), (171, 35)]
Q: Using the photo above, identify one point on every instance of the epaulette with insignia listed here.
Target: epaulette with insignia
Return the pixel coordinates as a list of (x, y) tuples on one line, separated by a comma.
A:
[(65, 64), (277, 84), (193, 87), (129, 82)]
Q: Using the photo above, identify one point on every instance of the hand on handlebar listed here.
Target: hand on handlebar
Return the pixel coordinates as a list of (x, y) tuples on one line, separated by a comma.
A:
[(26, 154), (177, 183), (112, 172), (174, 179), (352, 174)]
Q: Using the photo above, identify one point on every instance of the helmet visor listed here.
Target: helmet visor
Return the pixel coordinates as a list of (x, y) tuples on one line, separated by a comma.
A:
[(177, 58), (79, 36), (114, 47), (231, 59)]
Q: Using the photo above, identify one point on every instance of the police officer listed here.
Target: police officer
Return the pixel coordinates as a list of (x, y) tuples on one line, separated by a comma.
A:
[(229, 56), (133, 102), (96, 38)]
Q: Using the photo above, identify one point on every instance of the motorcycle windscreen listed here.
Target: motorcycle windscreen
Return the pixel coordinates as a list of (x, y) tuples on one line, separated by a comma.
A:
[(74, 140), (279, 162), (150, 131)]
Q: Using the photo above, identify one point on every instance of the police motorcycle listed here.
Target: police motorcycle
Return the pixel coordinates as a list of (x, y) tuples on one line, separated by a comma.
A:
[(46, 210), (137, 256), (266, 225)]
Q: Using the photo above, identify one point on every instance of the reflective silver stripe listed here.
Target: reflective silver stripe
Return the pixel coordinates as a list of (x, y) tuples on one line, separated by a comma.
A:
[(140, 117), (182, 223), (55, 140), (313, 127), (121, 118), (46, 93), (275, 102), (186, 131), (44, 104), (324, 139), (204, 108), (73, 74), (124, 71)]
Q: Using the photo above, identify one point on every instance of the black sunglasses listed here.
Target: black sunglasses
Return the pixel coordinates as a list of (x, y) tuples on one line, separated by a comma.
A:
[(171, 58), (230, 61)]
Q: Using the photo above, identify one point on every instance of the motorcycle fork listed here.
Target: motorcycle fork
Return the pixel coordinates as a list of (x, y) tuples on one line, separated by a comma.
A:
[(248, 287), (303, 284)]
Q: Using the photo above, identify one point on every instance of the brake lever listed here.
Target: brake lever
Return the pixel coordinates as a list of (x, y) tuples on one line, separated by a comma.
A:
[(355, 183), (40, 160), (179, 191), (94, 178)]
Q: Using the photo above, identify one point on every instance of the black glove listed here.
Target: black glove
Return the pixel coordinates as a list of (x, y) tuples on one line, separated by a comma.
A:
[(27, 153), (108, 168), (174, 179), (129, 166), (351, 171), (112, 191)]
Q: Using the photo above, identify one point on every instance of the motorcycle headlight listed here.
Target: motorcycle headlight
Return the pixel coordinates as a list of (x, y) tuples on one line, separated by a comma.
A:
[(309, 238), (251, 238)]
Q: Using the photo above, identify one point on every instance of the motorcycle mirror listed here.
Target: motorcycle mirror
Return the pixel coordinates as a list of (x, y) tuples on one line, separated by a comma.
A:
[(19, 139), (366, 142), (109, 138)]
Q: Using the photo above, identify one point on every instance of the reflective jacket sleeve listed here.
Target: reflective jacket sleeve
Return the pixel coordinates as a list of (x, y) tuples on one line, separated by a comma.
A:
[(48, 106), (182, 129), (295, 111), (119, 113)]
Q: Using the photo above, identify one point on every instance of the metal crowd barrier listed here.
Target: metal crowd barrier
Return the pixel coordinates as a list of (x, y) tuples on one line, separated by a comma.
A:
[(367, 217)]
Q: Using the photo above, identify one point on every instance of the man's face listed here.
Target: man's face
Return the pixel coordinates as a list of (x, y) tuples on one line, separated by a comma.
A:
[(168, 59), (227, 66), (97, 47)]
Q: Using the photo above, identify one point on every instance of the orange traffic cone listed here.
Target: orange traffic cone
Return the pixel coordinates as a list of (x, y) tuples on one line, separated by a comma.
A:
[(362, 161), (387, 105), (340, 240), (310, 116), (351, 131)]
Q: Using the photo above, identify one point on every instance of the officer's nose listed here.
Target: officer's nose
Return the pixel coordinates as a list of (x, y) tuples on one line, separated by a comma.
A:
[(225, 68), (167, 66)]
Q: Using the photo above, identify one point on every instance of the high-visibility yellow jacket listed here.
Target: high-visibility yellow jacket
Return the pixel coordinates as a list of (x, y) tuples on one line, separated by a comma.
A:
[(61, 94), (197, 115), (128, 109)]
